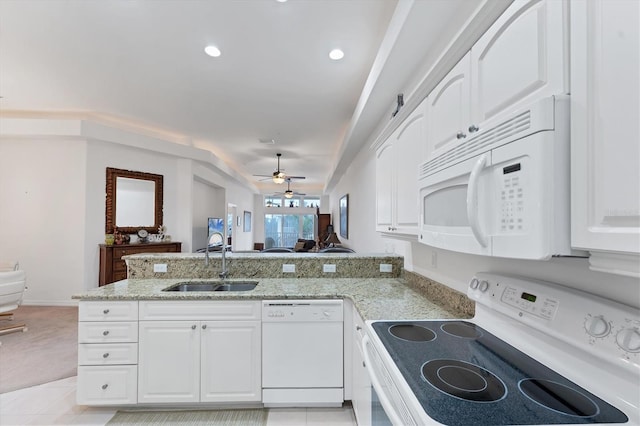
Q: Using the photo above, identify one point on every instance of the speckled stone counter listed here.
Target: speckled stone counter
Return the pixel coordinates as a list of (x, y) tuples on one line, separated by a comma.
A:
[(263, 265), (374, 298)]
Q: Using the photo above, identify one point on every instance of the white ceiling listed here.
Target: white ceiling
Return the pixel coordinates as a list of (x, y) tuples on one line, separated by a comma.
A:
[(142, 62)]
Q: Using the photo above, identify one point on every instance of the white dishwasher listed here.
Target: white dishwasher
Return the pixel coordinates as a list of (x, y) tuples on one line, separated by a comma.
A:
[(302, 353)]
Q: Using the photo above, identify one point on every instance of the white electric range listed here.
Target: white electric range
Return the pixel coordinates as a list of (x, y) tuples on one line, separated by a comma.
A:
[(535, 353)]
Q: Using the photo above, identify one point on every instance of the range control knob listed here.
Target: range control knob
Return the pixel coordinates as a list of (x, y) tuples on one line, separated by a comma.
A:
[(474, 283), (484, 286), (629, 339), (597, 326)]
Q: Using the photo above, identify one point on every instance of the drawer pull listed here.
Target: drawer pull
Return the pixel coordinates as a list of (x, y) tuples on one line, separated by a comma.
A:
[(105, 386), (358, 328), (105, 355), (193, 327), (204, 327), (105, 333), (106, 311)]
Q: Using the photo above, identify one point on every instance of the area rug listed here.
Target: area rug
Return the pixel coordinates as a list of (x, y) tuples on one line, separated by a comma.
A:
[(47, 351), (249, 417)]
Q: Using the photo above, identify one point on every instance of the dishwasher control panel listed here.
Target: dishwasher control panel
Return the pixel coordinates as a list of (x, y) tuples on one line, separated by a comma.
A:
[(302, 310)]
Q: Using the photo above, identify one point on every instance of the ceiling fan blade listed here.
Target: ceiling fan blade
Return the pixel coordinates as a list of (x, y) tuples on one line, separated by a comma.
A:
[(262, 176), (296, 177)]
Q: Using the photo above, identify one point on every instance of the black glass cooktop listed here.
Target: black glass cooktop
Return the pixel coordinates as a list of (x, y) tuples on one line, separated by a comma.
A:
[(464, 375)]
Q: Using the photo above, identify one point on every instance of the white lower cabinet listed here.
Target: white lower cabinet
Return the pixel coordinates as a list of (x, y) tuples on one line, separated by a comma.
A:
[(188, 353), (107, 353), (361, 384)]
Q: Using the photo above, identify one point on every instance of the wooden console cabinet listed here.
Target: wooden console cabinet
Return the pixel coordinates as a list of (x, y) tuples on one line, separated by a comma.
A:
[(113, 268)]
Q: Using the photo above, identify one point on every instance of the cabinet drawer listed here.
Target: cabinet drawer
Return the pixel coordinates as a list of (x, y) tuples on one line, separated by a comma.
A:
[(107, 332), (119, 266), (107, 353), (107, 385), (108, 311), (201, 310)]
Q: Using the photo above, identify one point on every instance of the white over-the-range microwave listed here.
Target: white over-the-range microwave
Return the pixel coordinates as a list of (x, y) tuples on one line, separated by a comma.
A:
[(506, 191)]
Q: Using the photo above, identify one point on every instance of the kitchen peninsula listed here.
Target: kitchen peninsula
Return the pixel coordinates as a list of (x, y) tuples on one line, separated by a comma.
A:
[(124, 316)]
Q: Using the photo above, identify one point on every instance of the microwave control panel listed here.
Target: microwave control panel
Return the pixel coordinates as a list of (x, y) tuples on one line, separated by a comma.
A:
[(512, 199)]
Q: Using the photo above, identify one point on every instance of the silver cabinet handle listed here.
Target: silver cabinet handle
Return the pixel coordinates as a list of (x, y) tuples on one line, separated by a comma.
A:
[(105, 386), (193, 327), (358, 328), (204, 326), (460, 135), (105, 333), (105, 355), (106, 311), (473, 128)]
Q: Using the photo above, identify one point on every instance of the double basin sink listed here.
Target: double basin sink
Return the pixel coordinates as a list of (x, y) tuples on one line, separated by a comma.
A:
[(213, 286)]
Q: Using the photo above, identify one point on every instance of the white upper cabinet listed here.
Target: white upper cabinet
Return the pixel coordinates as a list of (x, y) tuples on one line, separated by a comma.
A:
[(397, 163), (520, 59), (449, 109), (605, 129)]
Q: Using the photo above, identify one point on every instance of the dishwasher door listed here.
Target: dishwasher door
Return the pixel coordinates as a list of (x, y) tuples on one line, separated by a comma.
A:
[(302, 353)]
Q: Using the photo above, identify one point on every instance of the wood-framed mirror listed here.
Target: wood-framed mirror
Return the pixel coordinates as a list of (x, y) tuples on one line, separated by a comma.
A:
[(133, 201)]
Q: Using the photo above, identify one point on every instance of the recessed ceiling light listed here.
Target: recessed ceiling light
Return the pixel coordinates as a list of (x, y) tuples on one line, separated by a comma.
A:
[(336, 54), (281, 1), (212, 51)]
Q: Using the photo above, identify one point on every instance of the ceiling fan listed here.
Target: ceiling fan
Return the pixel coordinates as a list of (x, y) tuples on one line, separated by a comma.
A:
[(279, 176), (289, 193)]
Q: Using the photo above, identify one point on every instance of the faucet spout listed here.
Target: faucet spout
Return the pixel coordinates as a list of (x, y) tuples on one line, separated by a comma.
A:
[(224, 272)]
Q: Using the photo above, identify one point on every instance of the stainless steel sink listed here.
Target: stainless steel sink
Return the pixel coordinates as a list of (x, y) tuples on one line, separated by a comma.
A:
[(213, 286)]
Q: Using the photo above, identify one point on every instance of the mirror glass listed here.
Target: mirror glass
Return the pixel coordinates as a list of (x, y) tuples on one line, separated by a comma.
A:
[(134, 201)]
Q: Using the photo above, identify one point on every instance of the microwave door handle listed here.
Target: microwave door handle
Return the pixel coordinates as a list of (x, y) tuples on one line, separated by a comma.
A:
[(472, 201), (375, 382)]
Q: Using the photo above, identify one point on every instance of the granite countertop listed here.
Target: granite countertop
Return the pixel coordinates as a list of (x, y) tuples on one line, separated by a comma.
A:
[(374, 298)]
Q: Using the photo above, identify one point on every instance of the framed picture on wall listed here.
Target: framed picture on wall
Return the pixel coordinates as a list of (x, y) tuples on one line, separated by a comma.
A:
[(344, 216), (247, 221)]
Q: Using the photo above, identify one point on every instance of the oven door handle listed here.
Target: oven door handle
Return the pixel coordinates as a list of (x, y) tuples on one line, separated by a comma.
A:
[(472, 201), (375, 382)]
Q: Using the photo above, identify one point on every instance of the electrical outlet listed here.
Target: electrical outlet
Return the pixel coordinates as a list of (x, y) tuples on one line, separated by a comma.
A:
[(288, 267), (159, 267), (386, 267), (328, 267)]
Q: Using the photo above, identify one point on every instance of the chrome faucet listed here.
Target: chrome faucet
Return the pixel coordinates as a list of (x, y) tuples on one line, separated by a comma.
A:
[(224, 272)]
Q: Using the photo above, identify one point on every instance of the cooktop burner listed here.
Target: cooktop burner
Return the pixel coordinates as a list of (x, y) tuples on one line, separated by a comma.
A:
[(464, 375), (414, 333), (461, 329), (463, 380)]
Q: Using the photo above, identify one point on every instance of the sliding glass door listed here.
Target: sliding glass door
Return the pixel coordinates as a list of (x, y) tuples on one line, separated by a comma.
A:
[(284, 230)]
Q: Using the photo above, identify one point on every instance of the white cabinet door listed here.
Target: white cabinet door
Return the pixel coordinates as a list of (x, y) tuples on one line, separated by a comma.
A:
[(231, 361), (520, 58), (449, 109), (605, 148), (169, 361), (361, 392), (409, 153), (397, 162), (384, 187)]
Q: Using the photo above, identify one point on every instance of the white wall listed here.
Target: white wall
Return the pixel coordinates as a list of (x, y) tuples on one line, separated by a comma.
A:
[(208, 201), (42, 214)]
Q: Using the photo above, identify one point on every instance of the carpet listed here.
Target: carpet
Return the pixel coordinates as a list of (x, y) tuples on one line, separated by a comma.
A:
[(47, 351), (249, 417)]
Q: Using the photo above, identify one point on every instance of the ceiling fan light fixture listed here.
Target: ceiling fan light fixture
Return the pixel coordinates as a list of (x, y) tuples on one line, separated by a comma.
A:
[(288, 193), (278, 177)]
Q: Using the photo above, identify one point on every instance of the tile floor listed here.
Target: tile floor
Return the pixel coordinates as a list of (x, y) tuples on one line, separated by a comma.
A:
[(54, 404)]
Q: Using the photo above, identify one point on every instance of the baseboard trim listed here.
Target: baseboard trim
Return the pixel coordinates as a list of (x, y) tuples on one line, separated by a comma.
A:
[(28, 302)]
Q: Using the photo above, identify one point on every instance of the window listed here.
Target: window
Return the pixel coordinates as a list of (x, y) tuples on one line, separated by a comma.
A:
[(311, 202), (284, 230)]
